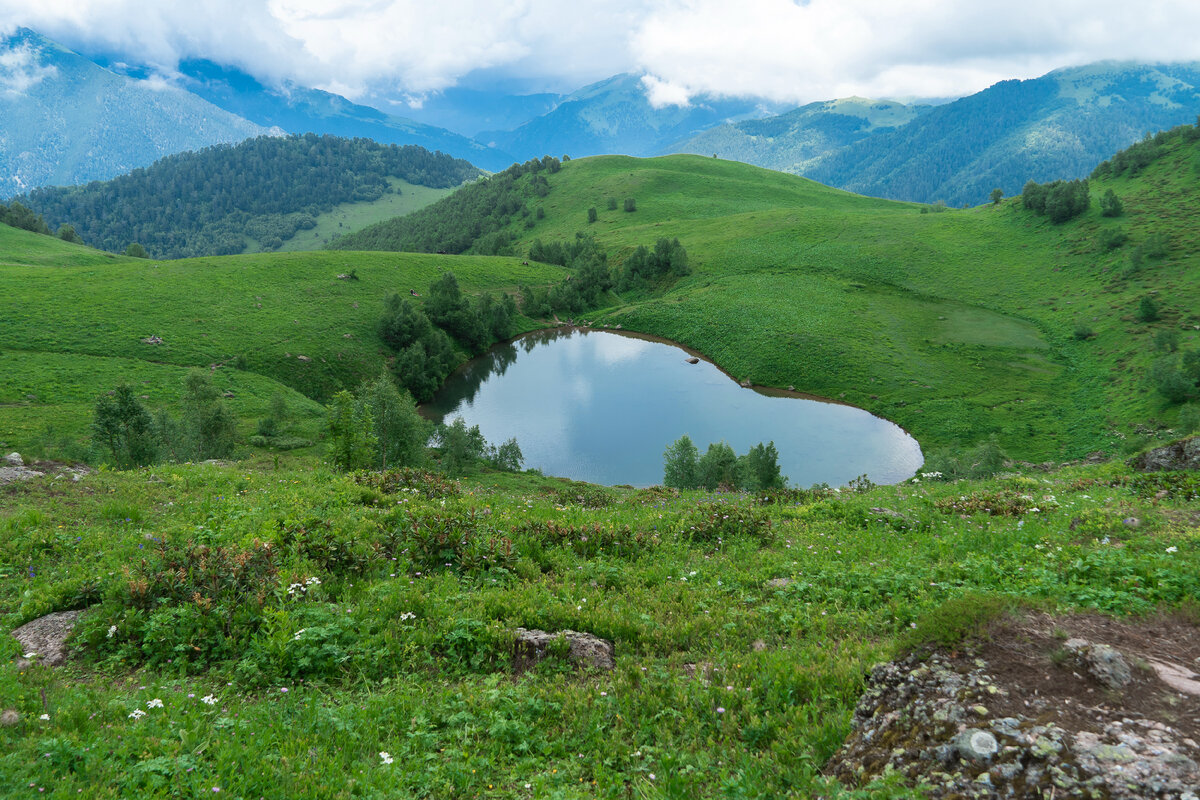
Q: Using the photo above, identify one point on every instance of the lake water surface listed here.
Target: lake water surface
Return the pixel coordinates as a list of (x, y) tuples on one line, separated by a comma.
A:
[(602, 407)]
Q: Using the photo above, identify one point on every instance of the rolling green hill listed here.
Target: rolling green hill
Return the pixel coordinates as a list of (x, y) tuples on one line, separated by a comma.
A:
[(75, 318), (959, 325)]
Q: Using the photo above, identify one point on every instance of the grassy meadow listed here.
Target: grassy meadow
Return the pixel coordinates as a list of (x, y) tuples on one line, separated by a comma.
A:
[(346, 217), (256, 632), (272, 629), (74, 321)]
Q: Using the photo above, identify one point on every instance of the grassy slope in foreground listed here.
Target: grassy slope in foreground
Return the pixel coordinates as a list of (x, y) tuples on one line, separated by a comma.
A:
[(65, 306), (957, 325), (388, 653)]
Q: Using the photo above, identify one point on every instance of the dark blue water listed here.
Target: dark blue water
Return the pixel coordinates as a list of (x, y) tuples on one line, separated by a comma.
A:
[(602, 407)]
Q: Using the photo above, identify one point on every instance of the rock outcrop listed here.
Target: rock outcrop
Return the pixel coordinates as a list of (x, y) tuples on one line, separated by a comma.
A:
[(1030, 716), (584, 649), (45, 638), (1180, 455)]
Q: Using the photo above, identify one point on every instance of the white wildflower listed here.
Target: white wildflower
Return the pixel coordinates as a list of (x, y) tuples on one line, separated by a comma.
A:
[(155, 703), (112, 631), (137, 713), (44, 717), (386, 757), (208, 700), (1172, 549)]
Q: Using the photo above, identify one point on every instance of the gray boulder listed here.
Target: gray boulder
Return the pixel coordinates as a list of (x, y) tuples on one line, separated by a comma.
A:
[(1181, 455), (14, 460), (47, 636), (1103, 662), (585, 650)]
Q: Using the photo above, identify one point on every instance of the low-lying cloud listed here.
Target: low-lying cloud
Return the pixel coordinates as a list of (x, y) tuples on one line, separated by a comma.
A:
[(784, 50)]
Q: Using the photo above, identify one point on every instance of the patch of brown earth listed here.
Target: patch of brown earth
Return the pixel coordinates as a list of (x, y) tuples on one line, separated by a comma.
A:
[(1042, 706), (1028, 657)]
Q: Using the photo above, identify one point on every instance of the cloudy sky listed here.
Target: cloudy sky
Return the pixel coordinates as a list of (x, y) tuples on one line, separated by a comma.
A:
[(785, 50)]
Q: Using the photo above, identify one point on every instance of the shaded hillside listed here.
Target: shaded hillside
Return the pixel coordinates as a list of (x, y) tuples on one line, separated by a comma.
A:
[(802, 138), (64, 120), (472, 219), (1058, 126), (222, 199)]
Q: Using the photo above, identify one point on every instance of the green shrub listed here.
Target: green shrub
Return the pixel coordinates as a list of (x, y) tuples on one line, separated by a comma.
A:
[(430, 485), (434, 541), (717, 522), (1112, 238), (967, 616)]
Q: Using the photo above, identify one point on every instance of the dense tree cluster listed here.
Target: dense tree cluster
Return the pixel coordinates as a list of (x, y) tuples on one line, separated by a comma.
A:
[(1059, 200), (212, 201), (377, 428), (129, 436), (19, 216), (645, 266), (1137, 157), (581, 290), (720, 466), (592, 276), (423, 338), (473, 219)]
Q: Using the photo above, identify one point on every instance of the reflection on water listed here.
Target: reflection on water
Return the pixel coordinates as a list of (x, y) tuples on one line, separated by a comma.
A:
[(601, 406)]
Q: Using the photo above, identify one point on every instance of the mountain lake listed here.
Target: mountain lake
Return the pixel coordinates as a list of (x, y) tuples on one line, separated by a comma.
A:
[(602, 406)]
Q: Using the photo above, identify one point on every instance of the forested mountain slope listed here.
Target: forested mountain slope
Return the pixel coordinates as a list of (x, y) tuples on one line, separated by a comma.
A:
[(222, 199), (297, 109)]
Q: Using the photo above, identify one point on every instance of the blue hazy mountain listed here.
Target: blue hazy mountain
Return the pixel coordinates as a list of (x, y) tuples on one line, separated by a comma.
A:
[(1058, 126), (802, 138), (296, 109), (65, 120), (616, 116), (471, 111)]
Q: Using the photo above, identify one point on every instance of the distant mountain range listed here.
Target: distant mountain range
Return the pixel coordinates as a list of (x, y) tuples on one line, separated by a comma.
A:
[(802, 138), (1055, 127), (296, 109), (65, 120), (616, 116)]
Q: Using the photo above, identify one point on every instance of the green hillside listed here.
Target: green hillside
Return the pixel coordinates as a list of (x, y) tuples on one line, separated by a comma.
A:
[(958, 325), (75, 318), (404, 198)]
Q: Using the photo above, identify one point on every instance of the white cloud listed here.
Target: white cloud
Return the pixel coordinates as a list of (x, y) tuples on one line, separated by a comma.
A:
[(787, 50), (662, 93), (20, 70), (836, 48)]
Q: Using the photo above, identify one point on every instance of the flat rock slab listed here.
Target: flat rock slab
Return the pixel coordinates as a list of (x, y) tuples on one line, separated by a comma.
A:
[(585, 650), (1178, 678), (47, 636)]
